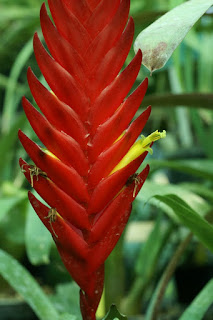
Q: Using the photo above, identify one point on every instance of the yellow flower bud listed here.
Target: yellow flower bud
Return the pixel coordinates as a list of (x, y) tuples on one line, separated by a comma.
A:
[(139, 147)]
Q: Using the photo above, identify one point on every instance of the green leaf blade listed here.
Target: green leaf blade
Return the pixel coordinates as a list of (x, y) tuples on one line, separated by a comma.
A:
[(200, 304), (152, 189), (37, 238), (190, 218), (162, 37), (6, 204), (196, 167), (21, 280)]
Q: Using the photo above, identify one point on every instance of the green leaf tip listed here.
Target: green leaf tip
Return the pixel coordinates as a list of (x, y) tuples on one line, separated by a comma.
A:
[(114, 314)]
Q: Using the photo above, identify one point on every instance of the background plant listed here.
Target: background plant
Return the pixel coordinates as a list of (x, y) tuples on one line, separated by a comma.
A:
[(181, 97)]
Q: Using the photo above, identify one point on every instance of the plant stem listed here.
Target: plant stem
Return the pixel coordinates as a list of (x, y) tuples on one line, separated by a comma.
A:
[(130, 304), (114, 276), (162, 285), (192, 100)]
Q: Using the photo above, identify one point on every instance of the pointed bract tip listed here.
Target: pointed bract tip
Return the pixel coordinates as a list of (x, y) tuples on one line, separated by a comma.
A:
[(22, 161), (36, 40), (131, 23), (20, 133), (146, 169), (149, 109), (146, 81), (43, 8)]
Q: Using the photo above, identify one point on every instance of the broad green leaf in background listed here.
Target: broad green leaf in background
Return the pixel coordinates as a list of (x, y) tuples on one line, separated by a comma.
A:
[(22, 281), (152, 189), (196, 167), (162, 37), (204, 191), (10, 196), (7, 203), (67, 316), (20, 89), (150, 251), (37, 239), (17, 12), (13, 224), (66, 299), (10, 100), (146, 264), (190, 218), (200, 304), (8, 140)]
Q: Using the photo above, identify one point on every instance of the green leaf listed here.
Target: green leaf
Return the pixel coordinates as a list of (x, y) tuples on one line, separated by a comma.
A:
[(13, 224), (199, 189), (190, 218), (22, 281), (114, 314), (20, 89), (151, 189), (162, 37), (200, 304), (67, 316), (67, 299), (18, 12), (9, 102), (150, 250), (198, 167), (146, 265), (7, 203), (37, 239), (8, 140)]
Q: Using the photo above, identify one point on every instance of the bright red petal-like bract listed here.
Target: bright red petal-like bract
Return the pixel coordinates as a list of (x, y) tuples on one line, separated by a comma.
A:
[(85, 127)]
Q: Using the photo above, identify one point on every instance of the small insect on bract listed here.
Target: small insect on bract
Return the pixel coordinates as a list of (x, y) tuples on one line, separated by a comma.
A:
[(34, 171), (134, 178), (52, 216)]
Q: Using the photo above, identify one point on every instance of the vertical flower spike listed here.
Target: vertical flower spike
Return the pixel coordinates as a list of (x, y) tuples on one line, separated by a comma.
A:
[(87, 171)]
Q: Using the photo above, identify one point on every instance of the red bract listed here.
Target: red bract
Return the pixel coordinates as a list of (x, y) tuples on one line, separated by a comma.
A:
[(86, 174)]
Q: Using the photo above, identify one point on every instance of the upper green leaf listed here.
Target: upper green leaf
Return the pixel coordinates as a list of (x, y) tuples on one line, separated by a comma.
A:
[(162, 37)]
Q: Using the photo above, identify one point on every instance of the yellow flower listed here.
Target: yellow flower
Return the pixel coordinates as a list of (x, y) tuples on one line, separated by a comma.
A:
[(139, 147)]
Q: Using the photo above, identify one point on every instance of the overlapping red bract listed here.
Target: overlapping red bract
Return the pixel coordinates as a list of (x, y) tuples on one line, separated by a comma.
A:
[(81, 125)]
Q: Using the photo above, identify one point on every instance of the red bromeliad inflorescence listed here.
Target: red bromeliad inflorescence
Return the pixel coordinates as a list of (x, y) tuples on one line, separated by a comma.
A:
[(86, 173)]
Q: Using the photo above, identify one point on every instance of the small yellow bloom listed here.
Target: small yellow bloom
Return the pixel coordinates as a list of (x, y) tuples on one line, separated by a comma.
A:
[(139, 147)]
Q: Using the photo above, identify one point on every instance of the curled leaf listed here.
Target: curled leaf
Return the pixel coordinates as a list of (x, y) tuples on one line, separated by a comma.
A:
[(162, 37)]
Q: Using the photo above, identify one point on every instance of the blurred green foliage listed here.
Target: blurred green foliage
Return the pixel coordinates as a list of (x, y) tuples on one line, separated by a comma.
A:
[(182, 164)]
